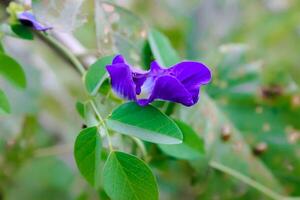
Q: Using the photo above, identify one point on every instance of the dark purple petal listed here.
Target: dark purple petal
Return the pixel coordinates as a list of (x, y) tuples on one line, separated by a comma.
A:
[(192, 75), (118, 59), (191, 72), (155, 68), (139, 80), (121, 80), (195, 93), (170, 89), (28, 19)]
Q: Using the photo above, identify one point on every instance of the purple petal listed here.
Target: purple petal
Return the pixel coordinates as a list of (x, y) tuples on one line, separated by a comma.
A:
[(155, 68), (190, 71), (28, 19), (139, 80), (192, 75), (122, 81), (118, 59), (139, 77), (170, 89), (181, 83)]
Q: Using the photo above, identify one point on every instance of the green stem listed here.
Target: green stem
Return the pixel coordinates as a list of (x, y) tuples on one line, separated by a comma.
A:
[(66, 53), (104, 124), (268, 192), (141, 146)]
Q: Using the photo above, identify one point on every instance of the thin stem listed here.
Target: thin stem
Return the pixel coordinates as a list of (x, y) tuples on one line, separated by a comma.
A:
[(268, 192), (141, 145), (102, 123), (66, 53), (96, 111)]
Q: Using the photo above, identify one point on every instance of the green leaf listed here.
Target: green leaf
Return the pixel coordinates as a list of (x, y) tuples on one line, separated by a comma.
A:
[(87, 153), (80, 107), (22, 31), (192, 146), (12, 71), (4, 104), (127, 177), (97, 74), (146, 123), (162, 48), (1, 48)]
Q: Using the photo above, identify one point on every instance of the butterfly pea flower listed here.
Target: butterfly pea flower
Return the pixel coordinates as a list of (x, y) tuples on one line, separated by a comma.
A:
[(180, 83), (28, 19)]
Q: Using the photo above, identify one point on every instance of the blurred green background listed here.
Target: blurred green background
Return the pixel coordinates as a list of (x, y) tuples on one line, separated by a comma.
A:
[(249, 115)]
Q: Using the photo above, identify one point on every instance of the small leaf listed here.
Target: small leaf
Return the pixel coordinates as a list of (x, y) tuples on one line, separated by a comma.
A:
[(146, 123), (87, 153), (80, 107), (97, 74), (12, 71), (192, 146), (4, 104), (162, 49), (127, 177), (22, 31)]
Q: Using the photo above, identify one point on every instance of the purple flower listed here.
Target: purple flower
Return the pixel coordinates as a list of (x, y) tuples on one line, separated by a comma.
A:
[(179, 83), (28, 19)]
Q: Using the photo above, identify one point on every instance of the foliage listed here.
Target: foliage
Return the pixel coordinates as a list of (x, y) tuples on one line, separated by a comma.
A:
[(241, 141)]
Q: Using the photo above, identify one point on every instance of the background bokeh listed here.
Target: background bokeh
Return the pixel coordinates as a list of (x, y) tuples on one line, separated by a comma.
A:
[(249, 115)]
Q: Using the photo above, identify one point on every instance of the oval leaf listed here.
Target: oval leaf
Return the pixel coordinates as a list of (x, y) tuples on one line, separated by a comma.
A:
[(192, 146), (12, 71), (4, 104), (162, 49), (97, 74), (80, 107), (87, 153), (127, 177), (146, 123)]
